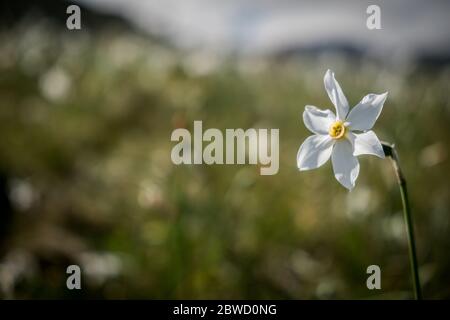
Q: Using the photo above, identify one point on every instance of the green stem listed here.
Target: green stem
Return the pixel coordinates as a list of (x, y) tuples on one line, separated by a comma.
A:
[(391, 152)]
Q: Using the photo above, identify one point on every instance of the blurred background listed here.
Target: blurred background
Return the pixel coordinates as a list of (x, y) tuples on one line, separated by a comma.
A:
[(85, 171)]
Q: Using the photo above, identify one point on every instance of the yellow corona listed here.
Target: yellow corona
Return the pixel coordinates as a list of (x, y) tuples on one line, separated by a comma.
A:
[(337, 130)]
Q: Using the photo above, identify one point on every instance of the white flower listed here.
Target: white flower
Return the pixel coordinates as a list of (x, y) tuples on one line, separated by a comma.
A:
[(336, 136)]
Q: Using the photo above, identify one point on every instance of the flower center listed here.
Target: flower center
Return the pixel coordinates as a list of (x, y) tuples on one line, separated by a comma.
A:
[(337, 130)]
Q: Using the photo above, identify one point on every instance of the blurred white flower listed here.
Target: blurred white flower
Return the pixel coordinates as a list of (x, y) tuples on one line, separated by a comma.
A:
[(336, 136), (55, 84), (22, 194), (101, 266)]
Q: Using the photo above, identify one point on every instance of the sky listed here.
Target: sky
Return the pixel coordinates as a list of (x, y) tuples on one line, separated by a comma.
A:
[(409, 27)]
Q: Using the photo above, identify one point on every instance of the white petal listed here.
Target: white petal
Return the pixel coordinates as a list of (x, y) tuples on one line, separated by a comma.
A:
[(364, 114), (318, 121), (314, 152), (345, 164), (367, 143), (336, 95)]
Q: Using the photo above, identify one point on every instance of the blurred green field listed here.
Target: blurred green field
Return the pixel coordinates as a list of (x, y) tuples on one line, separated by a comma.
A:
[(85, 125)]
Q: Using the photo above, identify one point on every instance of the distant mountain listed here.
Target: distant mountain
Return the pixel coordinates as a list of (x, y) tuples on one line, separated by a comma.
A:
[(13, 12)]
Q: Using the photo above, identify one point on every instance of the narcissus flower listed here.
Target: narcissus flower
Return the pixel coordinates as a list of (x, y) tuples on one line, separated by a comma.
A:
[(342, 136)]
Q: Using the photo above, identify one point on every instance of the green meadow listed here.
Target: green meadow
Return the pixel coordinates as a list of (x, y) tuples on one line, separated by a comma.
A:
[(86, 173)]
